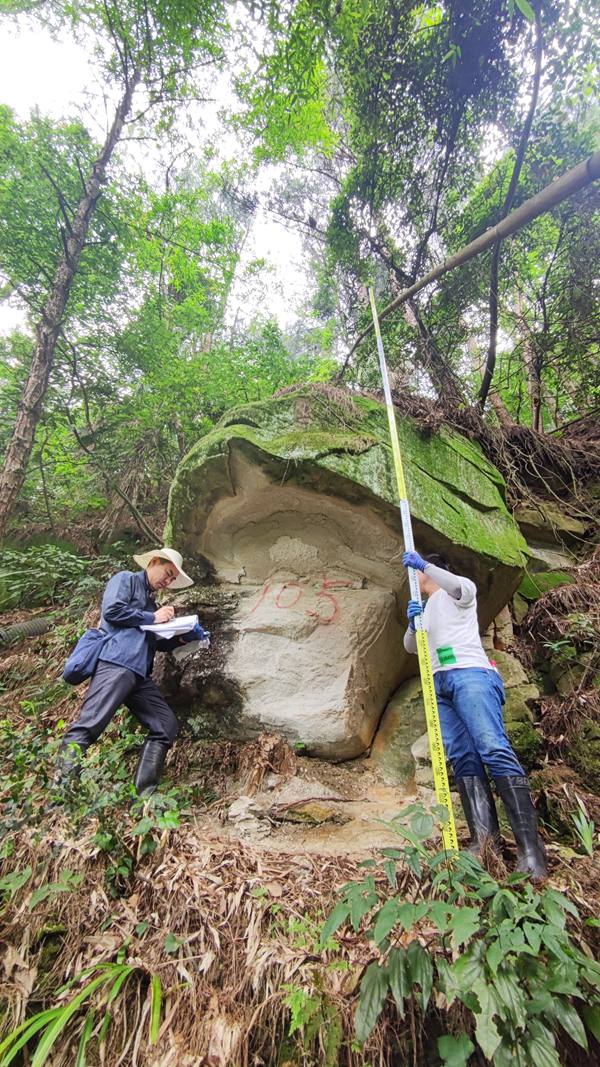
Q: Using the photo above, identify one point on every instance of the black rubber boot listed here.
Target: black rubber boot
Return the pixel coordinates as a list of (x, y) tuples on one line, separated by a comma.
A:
[(149, 768), (68, 765), (479, 807), (516, 796)]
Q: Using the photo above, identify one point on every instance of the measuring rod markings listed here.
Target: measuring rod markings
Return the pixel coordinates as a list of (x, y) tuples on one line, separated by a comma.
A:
[(432, 718)]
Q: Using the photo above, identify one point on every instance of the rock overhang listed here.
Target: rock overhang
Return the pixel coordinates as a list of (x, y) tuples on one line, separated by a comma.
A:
[(268, 460), (292, 501)]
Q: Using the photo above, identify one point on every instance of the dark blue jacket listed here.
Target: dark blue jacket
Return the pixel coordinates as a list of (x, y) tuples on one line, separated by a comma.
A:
[(127, 604)]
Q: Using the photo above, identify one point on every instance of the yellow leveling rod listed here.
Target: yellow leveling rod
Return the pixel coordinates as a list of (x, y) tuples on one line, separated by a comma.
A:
[(438, 758)]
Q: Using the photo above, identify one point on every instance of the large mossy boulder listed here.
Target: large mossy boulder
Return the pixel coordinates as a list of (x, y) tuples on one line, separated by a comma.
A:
[(292, 503)]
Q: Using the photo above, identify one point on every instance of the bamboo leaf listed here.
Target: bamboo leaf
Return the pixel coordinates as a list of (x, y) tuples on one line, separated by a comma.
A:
[(526, 9), (22, 1034), (63, 1018), (120, 979), (85, 1037), (155, 1007)]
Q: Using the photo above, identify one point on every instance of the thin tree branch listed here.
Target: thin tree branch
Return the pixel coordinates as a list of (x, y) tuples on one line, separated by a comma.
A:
[(111, 484), (570, 183)]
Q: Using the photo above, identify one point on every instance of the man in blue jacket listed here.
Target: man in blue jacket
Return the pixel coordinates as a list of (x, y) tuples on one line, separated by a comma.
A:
[(470, 695), (125, 665)]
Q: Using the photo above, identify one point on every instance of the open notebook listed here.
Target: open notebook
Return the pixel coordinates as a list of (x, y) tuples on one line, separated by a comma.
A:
[(182, 625)]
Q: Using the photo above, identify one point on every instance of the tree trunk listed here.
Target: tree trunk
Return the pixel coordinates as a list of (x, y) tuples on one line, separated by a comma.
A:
[(443, 377), (445, 380), (47, 331), (508, 203)]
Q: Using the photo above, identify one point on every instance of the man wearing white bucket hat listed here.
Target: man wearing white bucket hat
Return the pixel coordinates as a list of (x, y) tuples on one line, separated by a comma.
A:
[(122, 675)]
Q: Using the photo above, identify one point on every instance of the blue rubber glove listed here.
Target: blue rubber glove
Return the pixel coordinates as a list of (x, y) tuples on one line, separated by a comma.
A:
[(414, 560), (413, 609), (197, 634)]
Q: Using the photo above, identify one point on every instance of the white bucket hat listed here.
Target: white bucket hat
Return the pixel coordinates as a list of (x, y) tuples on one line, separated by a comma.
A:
[(182, 580)]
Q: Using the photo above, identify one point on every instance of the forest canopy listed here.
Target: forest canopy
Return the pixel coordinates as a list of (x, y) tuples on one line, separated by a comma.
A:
[(379, 136)]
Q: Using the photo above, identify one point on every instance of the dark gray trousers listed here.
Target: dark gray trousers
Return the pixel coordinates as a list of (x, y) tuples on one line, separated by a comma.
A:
[(112, 686)]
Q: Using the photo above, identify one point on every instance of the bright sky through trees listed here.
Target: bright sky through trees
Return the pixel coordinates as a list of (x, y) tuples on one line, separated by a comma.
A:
[(57, 77)]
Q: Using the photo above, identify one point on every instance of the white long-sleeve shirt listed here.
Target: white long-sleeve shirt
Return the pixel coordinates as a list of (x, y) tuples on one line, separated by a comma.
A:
[(450, 619)]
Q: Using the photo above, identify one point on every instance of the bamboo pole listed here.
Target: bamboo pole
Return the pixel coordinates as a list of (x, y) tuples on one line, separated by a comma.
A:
[(575, 179)]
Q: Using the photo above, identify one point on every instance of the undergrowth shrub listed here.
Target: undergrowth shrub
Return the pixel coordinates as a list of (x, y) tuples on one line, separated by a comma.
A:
[(51, 574), (502, 952), (126, 827)]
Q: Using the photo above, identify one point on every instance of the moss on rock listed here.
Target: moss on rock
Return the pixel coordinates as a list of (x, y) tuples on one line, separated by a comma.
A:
[(584, 754), (534, 586), (303, 435), (525, 740)]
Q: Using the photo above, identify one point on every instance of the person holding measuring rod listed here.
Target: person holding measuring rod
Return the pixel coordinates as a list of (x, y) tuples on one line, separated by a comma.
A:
[(470, 695)]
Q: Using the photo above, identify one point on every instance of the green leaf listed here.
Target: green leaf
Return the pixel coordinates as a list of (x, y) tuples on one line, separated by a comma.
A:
[(360, 905), (169, 820), (563, 979), (144, 826), (333, 922), (540, 1046), (410, 914), (399, 978), (569, 1019), (464, 923), (504, 904), (172, 944), (422, 825), (591, 1014), (526, 9), (106, 1021), (421, 970), (155, 1008), (533, 934), (455, 1051), (494, 956), (86, 1033), (14, 881), (373, 991), (68, 881), (486, 1030), (19, 1037), (63, 1018), (119, 980), (554, 939), (555, 904), (390, 872), (387, 917), (468, 968), (511, 995), (438, 914)]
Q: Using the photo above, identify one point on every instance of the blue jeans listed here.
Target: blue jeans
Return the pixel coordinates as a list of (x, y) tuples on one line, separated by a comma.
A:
[(470, 703)]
